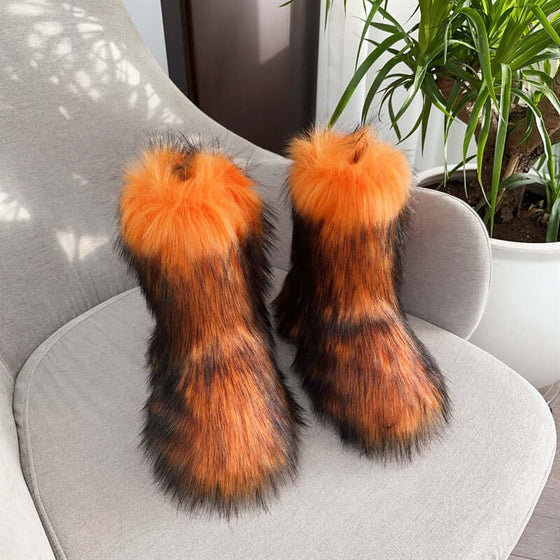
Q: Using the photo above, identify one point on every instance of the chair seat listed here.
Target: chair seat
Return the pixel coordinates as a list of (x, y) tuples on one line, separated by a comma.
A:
[(78, 408)]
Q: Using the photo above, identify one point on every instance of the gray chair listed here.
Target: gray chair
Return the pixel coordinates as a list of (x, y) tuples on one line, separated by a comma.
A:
[(76, 86)]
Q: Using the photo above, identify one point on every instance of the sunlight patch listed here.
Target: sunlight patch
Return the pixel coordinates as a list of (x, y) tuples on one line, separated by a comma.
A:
[(127, 73), (79, 248), (11, 210), (23, 9), (48, 28), (64, 112)]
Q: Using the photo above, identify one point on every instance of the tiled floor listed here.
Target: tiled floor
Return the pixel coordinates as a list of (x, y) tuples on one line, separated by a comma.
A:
[(541, 539)]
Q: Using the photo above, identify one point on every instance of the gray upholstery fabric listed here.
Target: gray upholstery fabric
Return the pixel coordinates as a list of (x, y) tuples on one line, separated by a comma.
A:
[(21, 534), (76, 86), (447, 267), (77, 406)]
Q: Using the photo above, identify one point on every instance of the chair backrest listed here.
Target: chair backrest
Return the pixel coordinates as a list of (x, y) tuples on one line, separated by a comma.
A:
[(77, 86)]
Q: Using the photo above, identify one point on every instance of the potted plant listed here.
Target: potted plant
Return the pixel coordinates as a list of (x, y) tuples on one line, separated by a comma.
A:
[(492, 64)]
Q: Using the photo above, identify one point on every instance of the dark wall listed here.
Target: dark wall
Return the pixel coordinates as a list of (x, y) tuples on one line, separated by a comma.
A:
[(252, 64)]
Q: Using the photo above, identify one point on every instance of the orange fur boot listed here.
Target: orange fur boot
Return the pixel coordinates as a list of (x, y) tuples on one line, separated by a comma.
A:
[(361, 365), (221, 427)]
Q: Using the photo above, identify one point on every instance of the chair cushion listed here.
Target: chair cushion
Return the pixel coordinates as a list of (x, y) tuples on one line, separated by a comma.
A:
[(78, 409)]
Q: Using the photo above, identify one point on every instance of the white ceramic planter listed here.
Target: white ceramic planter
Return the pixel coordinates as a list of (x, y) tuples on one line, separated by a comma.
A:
[(521, 323)]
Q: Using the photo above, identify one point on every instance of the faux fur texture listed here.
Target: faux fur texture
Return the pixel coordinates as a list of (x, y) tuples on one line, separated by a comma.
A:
[(221, 427), (361, 365)]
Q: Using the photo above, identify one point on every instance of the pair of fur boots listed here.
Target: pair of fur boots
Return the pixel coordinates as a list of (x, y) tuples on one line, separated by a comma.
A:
[(221, 425)]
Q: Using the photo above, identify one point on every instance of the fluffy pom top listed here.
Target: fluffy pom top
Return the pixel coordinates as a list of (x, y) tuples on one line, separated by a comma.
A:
[(348, 180), (175, 197)]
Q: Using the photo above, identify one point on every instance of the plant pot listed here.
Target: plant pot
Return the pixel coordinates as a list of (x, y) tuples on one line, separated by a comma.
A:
[(521, 322)]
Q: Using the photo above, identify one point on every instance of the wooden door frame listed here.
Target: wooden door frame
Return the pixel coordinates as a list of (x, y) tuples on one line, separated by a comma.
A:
[(179, 45)]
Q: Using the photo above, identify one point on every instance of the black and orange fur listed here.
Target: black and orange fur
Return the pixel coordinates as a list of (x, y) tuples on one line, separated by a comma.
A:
[(221, 427), (361, 365)]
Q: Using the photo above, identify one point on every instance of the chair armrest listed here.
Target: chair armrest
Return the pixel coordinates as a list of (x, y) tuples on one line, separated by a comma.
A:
[(23, 535), (447, 265)]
